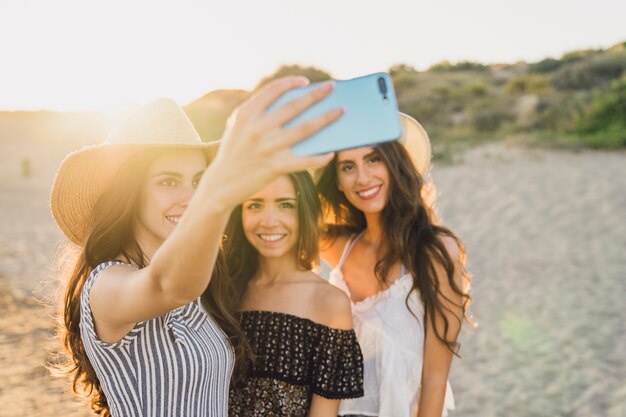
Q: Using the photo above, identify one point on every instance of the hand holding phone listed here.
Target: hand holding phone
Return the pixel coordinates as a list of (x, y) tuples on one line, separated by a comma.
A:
[(370, 115)]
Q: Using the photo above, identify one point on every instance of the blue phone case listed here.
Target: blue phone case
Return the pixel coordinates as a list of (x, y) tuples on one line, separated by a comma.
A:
[(371, 115)]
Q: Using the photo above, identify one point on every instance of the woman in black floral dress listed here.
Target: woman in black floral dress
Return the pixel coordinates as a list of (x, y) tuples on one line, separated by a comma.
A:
[(299, 327)]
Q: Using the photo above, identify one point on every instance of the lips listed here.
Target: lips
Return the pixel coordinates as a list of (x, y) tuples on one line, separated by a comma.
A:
[(369, 193)]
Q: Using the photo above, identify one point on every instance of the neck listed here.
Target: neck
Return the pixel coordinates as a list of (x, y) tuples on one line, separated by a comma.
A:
[(276, 269), (373, 231), (148, 244)]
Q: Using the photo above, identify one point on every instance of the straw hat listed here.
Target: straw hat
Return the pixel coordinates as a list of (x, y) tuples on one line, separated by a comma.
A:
[(416, 142), (85, 174)]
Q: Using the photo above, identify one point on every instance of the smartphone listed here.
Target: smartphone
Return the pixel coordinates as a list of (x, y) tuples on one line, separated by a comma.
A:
[(370, 115)]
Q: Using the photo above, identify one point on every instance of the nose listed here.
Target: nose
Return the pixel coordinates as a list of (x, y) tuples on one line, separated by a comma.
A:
[(185, 195), (268, 217), (363, 174)]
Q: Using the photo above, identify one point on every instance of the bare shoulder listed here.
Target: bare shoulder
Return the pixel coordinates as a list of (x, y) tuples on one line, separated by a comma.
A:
[(333, 308), (455, 253), (110, 284), (452, 247), (331, 248), (110, 278)]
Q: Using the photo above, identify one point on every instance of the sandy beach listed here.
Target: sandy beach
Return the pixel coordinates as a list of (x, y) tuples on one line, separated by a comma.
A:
[(545, 233)]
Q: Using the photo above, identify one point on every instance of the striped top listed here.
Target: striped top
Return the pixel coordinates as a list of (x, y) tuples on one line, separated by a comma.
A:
[(175, 365)]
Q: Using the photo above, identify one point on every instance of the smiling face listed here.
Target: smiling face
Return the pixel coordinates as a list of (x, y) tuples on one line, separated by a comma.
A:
[(270, 219), (169, 183), (363, 177)]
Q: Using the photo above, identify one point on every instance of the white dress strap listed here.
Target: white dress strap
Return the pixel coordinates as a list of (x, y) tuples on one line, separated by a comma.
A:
[(347, 249)]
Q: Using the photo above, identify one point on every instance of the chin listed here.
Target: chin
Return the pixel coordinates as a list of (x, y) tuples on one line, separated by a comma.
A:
[(271, 253)]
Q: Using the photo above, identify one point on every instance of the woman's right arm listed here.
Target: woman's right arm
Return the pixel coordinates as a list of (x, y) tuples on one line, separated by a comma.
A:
[(254, 151)]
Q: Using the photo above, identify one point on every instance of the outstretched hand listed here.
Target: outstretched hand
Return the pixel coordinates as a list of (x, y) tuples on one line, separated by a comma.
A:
[(255, 146)]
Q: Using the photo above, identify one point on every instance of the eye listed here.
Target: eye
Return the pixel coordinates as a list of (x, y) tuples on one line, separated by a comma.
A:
[(374, 159), (346, 167), (253, 206), (195, 182), (286, 205), (168, 182)]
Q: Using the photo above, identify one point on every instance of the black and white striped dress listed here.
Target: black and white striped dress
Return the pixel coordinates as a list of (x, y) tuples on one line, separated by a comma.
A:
[(175, 365)]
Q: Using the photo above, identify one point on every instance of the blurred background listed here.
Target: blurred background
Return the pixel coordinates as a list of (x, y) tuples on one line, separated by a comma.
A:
[(525, 104)]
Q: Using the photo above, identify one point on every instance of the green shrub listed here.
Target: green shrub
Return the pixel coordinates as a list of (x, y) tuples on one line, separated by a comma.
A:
[(592, 73), (605, 118), (445, 66), (545, 65), (573, 56), (490, 120), (404, 77), (560, 113), (477, 89), (537, 84)]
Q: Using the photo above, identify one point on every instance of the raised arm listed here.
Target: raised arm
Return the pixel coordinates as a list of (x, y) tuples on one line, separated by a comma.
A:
[(254, 151)]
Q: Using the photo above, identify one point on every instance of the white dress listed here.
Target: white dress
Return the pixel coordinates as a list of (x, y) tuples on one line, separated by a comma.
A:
[(392, 342)]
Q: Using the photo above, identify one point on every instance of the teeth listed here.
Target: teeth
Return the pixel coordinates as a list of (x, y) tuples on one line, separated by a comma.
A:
[(173, 219), (369, 192), (272, 238)]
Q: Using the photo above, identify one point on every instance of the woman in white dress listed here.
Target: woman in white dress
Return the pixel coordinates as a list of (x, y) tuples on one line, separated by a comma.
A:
[(404, 274)]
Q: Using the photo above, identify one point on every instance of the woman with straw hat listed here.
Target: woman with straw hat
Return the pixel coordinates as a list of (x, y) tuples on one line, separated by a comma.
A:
[(404, 274), (146, 314)]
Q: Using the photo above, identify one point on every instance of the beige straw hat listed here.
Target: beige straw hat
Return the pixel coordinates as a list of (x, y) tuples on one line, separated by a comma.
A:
[(416, 142), (85, 174)]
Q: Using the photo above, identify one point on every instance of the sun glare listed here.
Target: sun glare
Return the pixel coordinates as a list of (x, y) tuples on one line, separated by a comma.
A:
[(77, 55)]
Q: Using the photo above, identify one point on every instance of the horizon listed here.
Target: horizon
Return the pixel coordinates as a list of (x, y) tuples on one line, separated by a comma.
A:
[(71, 56)]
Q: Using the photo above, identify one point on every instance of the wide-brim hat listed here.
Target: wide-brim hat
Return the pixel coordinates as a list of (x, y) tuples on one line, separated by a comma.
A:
[(84, 175), (415, 140)]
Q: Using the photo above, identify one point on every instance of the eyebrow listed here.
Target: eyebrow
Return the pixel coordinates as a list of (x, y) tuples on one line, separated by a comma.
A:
[(278, 200), (175, 174), (369, 155)]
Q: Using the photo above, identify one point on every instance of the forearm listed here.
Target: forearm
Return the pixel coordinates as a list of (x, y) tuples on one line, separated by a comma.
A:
[(323, 407), (432, 395), (183, 265)]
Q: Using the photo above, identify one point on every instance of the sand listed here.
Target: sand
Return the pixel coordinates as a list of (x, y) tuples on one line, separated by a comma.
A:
[(546, 238)]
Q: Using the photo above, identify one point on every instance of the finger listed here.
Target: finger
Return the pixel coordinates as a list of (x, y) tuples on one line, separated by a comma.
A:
[(263, 98), (305, 129), (293, 108), (291, 163)]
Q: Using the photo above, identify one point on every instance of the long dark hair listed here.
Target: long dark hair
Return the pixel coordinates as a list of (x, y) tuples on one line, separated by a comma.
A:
[(112, 237), (409, 234), (242, 258)]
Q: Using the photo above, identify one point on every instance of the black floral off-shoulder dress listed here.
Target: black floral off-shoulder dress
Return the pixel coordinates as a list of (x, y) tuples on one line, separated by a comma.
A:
[(295, 358)]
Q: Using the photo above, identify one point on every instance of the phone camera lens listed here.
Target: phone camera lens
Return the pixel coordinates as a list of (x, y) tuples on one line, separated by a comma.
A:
[(382, 85)]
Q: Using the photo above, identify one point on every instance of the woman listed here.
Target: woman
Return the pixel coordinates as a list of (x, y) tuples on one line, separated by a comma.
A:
[(404, 274), (298, 325), (145, 316)]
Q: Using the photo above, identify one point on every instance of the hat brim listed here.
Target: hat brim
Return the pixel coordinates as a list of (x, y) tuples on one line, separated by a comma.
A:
[(415, 140), (84, 175)]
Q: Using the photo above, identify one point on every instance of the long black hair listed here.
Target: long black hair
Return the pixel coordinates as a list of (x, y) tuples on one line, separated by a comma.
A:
[(409, 234)]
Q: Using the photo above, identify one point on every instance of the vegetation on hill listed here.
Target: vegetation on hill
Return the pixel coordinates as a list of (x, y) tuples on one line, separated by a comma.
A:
[(577, 100)]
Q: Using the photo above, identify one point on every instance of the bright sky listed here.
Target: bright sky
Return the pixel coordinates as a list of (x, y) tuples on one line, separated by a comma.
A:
[(87, 54)]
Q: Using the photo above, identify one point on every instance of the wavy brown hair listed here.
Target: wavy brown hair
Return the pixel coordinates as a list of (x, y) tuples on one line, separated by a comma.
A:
[(112, 237), (409, 235), (242, 259)]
